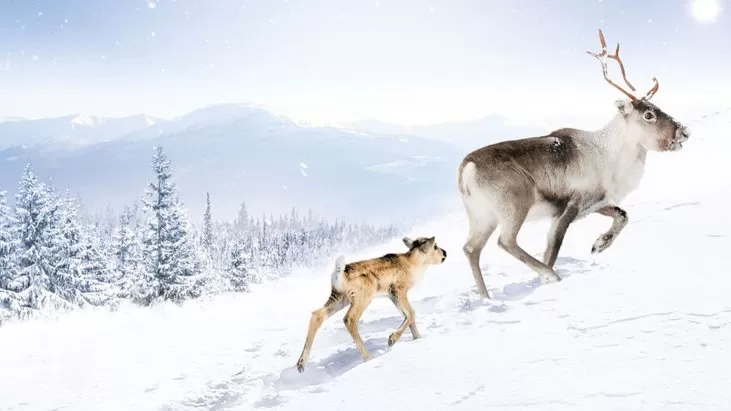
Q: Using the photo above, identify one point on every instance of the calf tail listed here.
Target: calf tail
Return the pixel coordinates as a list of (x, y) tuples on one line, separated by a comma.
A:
[(338, 274)]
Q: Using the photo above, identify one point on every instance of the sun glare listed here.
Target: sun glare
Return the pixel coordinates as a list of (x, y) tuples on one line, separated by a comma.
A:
[(705, 10)]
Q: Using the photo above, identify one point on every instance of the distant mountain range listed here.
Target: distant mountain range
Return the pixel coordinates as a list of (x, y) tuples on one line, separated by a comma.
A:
[(365, 171), (467, 135), (69, 131)]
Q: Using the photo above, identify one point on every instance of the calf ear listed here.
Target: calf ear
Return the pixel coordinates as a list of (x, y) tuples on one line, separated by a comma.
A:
[(409, 242)]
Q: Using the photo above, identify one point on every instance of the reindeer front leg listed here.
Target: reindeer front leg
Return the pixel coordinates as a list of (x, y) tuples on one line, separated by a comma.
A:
[(606, 239), (557, 233)]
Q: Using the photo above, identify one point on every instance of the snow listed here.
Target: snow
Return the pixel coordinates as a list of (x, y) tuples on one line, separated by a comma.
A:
[(86, 121), (644, 325)]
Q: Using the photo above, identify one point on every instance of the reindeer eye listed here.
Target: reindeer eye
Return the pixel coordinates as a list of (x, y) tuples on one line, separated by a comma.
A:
[(649, 115)]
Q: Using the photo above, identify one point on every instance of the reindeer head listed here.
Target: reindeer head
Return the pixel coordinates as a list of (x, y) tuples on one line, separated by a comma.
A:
[(654, 129), (426, 250)]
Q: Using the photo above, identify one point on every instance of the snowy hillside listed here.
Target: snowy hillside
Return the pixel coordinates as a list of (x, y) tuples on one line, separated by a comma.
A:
[(645, 325)]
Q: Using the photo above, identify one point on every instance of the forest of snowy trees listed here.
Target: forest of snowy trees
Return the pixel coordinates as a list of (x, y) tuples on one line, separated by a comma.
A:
[(53, 257)]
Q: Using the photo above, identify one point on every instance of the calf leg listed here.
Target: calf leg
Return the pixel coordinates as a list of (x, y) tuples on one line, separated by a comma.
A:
[(620, 220), (557, 233), (357, 307), (508, 242), (409, 320), (335, 303), (412, 327)]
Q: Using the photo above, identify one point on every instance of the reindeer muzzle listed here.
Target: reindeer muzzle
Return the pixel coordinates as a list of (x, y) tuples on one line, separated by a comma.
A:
[(682, 134)]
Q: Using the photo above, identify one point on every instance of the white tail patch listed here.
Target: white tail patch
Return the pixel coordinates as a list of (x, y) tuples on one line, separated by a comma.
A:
[(337, 275), (468, 178)]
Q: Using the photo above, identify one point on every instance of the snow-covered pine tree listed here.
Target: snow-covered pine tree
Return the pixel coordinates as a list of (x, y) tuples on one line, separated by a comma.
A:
[(128, 267), (170, 254), (7, 255), (240, 273), (208, 225), (66, 247), (96, 278), (81, 275), (241, 224), (33, 286)]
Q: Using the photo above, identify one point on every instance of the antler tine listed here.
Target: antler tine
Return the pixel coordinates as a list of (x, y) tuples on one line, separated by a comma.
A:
[(653, 90), (602, 57), (618, 59)]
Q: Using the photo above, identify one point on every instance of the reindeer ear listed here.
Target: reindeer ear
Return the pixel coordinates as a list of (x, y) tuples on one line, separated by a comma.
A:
[(624, 107), (409, 242)]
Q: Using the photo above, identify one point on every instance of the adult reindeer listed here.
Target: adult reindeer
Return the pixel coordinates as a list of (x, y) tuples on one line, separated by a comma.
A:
[(563, 176)]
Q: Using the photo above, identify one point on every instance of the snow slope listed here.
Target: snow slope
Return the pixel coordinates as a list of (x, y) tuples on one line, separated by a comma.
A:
[(645, 325)]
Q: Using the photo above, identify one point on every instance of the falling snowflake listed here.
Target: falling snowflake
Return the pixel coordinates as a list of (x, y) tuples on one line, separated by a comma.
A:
[(304, 173), (35, 58), (303, 165), (151, 4), (40, 13)]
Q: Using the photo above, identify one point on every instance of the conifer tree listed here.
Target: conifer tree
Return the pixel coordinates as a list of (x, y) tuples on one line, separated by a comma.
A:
[(127, 258), (170, 256), (208, 227), (7, 256), (34, 284)]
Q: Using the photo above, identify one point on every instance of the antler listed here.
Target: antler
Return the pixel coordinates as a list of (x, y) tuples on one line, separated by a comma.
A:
[(653, 90), (603, 56)]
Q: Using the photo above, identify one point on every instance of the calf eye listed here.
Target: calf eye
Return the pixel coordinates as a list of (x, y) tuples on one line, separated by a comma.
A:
[(649, 115)]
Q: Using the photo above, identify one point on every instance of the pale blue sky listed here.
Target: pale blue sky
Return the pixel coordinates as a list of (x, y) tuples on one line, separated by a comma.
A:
[(412, 61)]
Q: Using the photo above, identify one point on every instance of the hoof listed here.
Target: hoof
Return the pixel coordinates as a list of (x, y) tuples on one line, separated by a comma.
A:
[(602, 243), (485, 294), (391, 340), (301, 366)]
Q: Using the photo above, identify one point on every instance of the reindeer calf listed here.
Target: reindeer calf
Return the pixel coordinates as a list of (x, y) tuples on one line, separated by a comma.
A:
[(357, 283)]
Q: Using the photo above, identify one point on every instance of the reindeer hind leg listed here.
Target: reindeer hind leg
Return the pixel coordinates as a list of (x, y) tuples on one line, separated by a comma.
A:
[(511, 224), (482, 225)]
